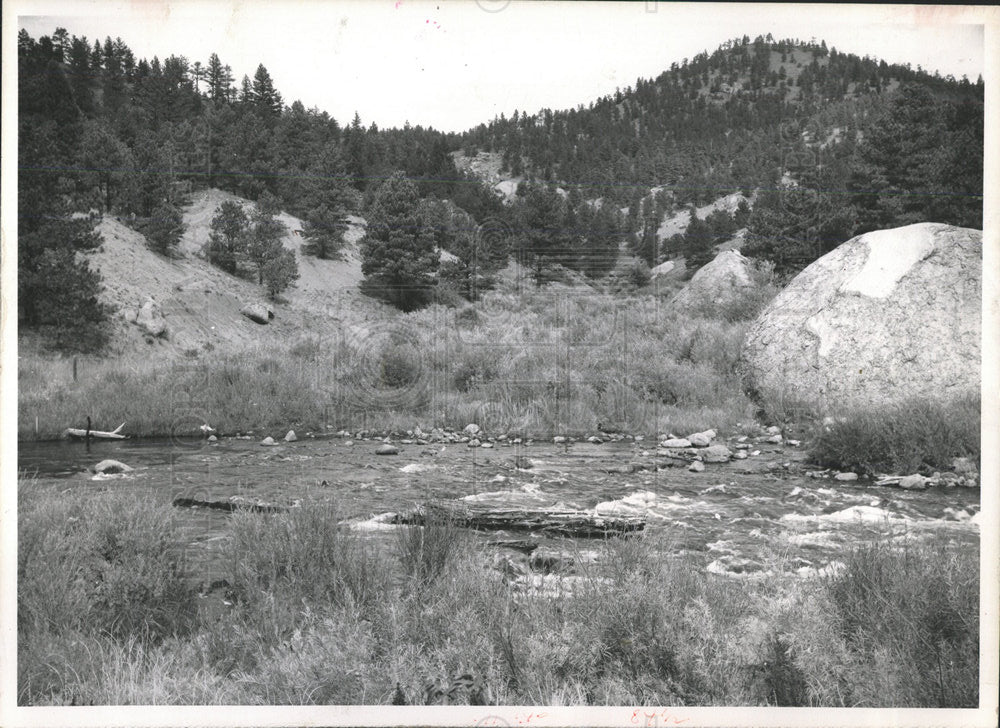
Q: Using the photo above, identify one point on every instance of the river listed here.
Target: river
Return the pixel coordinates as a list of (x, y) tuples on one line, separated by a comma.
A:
[(737, 519)]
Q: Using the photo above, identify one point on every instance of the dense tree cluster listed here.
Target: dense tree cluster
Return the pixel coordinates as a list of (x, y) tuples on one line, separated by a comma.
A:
[(251, 244), (103, 131)]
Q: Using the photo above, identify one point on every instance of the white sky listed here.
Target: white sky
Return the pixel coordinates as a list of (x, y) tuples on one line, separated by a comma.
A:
[(452, 64)]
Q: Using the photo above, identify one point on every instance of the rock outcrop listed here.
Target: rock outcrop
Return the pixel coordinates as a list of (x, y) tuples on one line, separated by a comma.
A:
[(717, 283), (887, 315)]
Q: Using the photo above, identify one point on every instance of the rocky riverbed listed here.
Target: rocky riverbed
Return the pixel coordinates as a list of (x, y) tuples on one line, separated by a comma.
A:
[(738, 507)]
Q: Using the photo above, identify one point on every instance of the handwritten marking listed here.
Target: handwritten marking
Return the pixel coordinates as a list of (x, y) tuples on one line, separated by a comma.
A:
[(655, 719)]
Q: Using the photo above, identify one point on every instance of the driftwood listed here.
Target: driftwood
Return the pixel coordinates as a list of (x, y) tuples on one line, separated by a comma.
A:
[(551, 522), (115, 434), (235, 503)]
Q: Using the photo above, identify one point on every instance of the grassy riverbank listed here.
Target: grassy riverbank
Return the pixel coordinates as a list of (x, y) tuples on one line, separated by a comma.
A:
[(537, 362), (322, 614)]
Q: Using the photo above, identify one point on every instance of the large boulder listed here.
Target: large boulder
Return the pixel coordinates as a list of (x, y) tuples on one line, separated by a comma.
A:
[(717, 283), (150, 319), (669, 269), (887, 315), (258, 313)]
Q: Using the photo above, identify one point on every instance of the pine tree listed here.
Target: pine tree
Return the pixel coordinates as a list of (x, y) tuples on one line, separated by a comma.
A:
[(479, 250), (246, 97), (263, 95), (162, 228), (79, 74), (280, 271), (108, 163), (197, 74), (324, 229), (398, 256), (114, 81), (219, 80), (697, 242), (264, 241), (546, 238), (355, 152), (227, 239), (61, 44)]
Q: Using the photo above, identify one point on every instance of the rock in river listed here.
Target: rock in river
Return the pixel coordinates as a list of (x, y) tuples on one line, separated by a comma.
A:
[(676, 442), (913, 482), (110, 467), (716, 454), (701, 439), (387, 449), (291, 436)]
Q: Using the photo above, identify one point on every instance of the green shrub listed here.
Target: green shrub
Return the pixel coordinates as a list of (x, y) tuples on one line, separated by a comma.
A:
[(399, 366), (917, 435)]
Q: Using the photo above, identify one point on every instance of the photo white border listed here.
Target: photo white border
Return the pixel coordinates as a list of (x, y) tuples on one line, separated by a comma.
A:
[(985, 715)]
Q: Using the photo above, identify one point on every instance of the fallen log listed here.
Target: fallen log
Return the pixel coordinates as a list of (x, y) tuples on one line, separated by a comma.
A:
[(551, 522), (114, 434), (234, 503)]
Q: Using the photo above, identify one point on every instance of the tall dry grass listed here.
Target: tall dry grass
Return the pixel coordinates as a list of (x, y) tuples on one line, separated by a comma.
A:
[(326, 614), (539, 361)]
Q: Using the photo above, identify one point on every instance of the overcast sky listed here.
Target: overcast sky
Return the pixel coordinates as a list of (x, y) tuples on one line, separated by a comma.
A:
[(452, 65)]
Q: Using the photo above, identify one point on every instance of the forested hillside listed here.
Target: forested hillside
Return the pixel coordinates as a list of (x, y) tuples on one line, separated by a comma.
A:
[(836, 144), (826, 144)]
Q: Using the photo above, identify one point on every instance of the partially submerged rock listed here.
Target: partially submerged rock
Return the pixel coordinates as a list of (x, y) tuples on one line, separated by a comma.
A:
[(913, 482), (387, 449), (111, 467)]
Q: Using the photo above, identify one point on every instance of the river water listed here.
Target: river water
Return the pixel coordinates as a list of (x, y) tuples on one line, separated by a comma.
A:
[(738, 519)]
